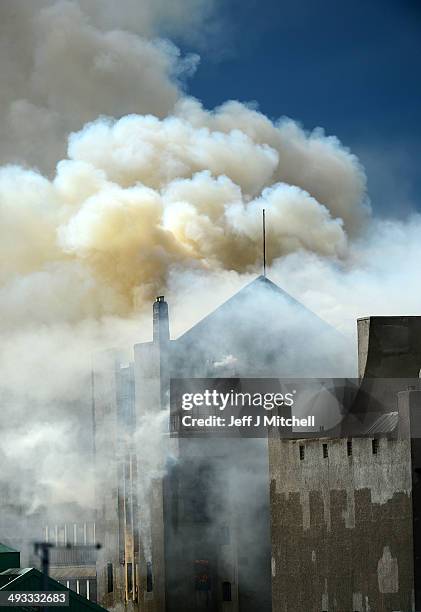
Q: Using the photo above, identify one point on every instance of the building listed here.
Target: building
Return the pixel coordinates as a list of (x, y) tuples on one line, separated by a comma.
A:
[(346, 510), (73, 556), (8, 558), (324, 523), (14, 578), (190, 529)]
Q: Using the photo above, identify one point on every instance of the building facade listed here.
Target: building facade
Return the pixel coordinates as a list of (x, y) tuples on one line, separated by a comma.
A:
[(318, 524), (194, 534), (345, 511)]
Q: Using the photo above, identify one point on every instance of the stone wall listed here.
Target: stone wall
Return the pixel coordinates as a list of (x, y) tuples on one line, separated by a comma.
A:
[(341, 525)]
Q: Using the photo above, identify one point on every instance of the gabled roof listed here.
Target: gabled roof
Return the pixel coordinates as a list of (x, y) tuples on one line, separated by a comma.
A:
[(260, 288), (259, 331)]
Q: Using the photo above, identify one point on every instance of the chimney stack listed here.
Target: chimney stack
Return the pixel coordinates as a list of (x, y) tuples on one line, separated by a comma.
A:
[(161, 327)]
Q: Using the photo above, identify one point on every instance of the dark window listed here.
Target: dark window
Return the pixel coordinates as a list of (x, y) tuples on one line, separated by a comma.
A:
[(92, 590), (301, 453), (325, 451), (130, 577), (226, 591), (349, 447), (110, 586), (149, 578), (375, 446)]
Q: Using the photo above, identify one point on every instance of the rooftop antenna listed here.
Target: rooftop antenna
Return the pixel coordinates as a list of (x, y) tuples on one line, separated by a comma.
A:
[(264, 244)]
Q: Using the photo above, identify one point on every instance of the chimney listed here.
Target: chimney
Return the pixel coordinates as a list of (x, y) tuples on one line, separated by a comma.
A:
[(161, 327)]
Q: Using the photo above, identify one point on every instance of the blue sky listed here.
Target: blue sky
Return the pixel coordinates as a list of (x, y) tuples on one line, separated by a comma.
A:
[(353, 68)]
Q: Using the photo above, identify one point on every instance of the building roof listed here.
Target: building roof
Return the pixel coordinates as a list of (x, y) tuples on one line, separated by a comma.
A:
[(260, 287), (6, 549), (260, 331), (384, 424), (30, 578)]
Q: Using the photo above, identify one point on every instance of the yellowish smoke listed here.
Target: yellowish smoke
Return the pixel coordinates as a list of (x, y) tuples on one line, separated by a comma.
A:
[(140, 195)]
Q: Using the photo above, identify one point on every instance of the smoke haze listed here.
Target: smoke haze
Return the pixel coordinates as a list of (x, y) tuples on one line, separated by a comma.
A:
[(154, 195)]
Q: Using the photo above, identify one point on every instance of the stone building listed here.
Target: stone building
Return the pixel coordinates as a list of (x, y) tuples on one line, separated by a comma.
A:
[(15, 579), (345, 511), (316, 524), (73, 555), (199, 537)]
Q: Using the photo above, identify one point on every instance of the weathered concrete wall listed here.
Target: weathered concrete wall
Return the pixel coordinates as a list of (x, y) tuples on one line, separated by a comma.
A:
[(389, 347), (341, 526)]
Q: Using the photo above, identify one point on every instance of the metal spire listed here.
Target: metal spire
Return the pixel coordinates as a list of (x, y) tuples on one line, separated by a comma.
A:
[(264, 244)]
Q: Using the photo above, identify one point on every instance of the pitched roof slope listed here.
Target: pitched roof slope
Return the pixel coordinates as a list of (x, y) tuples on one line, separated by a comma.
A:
[(259, 331), (261, 288)]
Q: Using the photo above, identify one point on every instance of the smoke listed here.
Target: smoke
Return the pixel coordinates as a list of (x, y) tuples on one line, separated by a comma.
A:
[(63, 63), (155, 195), (143, 206), (140, 195)]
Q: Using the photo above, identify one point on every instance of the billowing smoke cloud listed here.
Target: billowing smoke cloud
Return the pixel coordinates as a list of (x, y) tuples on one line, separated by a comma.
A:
[(139, 195), (143, 193), (63, 63)]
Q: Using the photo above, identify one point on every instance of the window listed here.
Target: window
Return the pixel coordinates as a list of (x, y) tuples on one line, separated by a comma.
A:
[(325, 451), (202, 575), (226, 591), (110, 586), (92, 590), (149, 578), (349, 447), (301, 453), (375, 446), (130, 577)]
